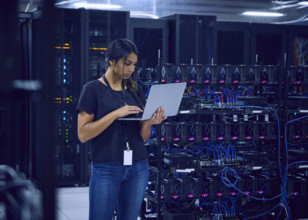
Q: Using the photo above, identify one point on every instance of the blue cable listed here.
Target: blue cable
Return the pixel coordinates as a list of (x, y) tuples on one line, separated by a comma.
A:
[(297, 162), (224, 175), (284, 199), (229, 184), (279, 212), (228, 101), (264, 213), (278, 131)]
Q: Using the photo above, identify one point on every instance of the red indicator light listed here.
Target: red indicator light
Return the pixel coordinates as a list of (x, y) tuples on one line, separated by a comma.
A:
[(204, 195), (219, 194), (260, 192), (190, 195), (232, 193), (175, 196)]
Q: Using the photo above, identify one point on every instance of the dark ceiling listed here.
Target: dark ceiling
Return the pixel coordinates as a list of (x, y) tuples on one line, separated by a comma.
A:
[(294, 11)]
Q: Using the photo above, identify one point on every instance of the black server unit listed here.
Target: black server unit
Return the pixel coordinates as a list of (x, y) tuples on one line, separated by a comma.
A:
[(69, 69), (82, 37), (191, 38), (150, 35), (268, 44), (231, 43), (101, 28)]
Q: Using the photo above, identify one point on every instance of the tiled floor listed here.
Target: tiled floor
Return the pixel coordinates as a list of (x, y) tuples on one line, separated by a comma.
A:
[(72, 203)]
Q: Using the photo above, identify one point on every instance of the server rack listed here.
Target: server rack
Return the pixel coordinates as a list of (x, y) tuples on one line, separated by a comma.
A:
[(82, 40), (151, 38), (191, 39), (182, 184), (183, 176), (268, 44), (232, 43)]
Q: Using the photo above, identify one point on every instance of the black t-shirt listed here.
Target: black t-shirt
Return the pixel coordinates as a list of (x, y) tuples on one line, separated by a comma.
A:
[(98, 99)]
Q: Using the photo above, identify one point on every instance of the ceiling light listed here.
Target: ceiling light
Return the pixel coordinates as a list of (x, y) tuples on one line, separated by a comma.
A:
[(95, 6), (302, 19), (284, 2), (262, 14), (135, 14), (303, 3), (65, 2)]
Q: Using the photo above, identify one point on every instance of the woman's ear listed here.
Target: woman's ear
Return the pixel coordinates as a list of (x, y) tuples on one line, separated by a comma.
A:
[(111, 62)]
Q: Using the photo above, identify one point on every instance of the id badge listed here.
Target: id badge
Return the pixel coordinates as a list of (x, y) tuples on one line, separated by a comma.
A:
[(128, 157)]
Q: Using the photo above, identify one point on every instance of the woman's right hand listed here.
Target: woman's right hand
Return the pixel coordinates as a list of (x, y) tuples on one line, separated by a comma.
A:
[(128, 110)]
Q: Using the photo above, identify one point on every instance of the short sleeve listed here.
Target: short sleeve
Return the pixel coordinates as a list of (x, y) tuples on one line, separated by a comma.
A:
[(87, 100)]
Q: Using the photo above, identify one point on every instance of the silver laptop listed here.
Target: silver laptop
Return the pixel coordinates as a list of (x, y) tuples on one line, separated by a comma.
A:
[(167, 96)]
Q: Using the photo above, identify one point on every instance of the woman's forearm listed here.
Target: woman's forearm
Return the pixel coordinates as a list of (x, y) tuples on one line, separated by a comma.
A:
[(93, 129)]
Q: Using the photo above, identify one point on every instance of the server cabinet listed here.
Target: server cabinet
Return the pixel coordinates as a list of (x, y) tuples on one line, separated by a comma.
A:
[(82, 37), (191, 38), (268, 44), (68, 70), (87, 34), (231, 42), (150, 35), (101, 28)]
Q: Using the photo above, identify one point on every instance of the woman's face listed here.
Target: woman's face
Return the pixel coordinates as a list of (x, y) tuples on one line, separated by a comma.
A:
[(125, 67)]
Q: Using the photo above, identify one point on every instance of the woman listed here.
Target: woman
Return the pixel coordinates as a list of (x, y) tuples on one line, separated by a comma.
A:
[(118, 157)]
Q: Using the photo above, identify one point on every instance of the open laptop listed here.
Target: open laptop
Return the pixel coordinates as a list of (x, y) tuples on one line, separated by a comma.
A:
[(168, 96)]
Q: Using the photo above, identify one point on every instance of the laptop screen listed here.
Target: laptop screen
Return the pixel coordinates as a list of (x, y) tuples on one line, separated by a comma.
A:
[(168, 96)]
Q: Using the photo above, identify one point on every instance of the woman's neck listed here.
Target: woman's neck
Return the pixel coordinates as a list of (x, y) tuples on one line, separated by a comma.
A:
[(115, 82)]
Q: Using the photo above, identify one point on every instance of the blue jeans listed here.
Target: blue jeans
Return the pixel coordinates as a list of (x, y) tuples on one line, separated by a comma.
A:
[(114, 185)]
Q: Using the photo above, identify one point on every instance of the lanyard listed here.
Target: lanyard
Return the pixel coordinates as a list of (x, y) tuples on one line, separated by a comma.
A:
[(123, 89), (124, 102)]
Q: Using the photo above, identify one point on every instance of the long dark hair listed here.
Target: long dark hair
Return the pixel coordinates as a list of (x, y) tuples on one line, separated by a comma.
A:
[(121, 48)]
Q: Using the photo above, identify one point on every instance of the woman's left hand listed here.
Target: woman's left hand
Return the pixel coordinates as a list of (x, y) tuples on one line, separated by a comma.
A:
[(158, 117)]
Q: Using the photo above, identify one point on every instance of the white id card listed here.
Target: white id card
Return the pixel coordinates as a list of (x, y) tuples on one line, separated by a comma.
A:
[(128, 157)]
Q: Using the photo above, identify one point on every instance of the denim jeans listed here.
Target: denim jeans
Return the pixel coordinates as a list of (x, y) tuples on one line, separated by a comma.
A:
[(114, 185)]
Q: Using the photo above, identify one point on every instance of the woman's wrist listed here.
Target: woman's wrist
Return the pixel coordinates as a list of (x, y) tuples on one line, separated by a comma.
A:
[(147, 123)]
